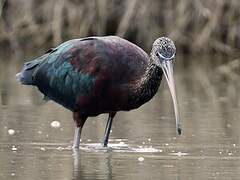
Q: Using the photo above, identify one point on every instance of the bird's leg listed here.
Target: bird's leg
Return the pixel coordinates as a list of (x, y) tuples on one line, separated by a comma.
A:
[(79, 120), (108, 128)]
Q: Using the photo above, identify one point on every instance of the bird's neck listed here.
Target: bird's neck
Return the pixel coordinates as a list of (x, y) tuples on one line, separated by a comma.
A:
[(148, 85)]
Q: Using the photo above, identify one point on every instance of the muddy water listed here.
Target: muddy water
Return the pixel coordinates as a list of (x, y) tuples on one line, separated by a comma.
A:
[(143, 143)]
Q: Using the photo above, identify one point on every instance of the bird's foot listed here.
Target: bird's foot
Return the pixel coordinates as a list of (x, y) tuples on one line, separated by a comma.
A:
[(75, 147), (105, 145)]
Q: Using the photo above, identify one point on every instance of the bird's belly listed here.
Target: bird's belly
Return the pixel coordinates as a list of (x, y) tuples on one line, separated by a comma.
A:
[(111, 99)]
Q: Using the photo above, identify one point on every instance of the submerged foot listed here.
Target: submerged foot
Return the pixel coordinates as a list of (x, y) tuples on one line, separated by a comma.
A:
[(75, 147)]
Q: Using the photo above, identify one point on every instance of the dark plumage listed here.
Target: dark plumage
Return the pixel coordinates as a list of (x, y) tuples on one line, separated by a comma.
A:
[(95, 75)]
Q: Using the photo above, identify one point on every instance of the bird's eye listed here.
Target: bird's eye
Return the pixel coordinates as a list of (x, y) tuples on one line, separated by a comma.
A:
[(157, 54)]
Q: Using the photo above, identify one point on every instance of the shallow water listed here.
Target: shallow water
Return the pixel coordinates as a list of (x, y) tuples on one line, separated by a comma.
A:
[(143, 143)]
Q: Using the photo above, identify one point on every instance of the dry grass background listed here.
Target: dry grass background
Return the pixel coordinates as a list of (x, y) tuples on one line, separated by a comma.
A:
[(196, 26)]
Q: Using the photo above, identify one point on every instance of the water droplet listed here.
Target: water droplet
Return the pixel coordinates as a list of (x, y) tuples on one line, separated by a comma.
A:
[(14, 148), (12, 174), (143, 143), (55, 124), (160, 150), (39, 132), (141, 159), (11, 131), (43, 149), (149, 139), (234, 145), (230, 153), (166, 144)]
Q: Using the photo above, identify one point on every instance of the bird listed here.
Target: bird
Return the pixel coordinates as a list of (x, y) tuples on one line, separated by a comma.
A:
[(102, 74)]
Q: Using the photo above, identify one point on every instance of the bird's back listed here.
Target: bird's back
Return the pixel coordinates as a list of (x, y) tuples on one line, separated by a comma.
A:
[(91, 75)]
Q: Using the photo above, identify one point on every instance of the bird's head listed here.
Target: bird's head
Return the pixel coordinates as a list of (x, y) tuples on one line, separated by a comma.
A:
[(162, 55), (163, 50)]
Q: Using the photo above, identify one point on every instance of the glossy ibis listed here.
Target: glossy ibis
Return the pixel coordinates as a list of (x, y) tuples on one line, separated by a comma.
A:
[(96, 75)]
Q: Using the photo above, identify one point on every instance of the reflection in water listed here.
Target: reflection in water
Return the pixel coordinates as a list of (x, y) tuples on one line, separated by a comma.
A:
[(76, 164), (79, 164), (208, 148)]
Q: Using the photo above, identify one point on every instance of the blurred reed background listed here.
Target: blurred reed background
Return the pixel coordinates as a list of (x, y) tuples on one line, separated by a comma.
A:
[(197, 26)]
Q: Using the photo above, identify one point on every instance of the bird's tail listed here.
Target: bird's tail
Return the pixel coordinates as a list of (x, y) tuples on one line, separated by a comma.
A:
[(26, 75)]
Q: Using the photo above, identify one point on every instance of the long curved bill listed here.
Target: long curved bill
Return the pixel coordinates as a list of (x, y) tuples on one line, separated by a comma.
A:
[(167, 67)]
